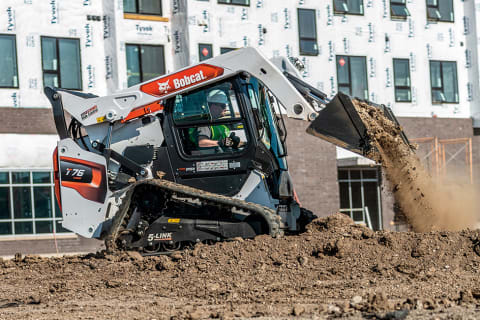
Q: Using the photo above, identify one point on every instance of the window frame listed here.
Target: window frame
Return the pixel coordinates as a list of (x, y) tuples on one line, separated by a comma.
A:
[(441, 78), (402, 87), (227, 48), (139, 46), (437, 6), (200, 52), (16, 61), (228, 2), (305, 38), (350, 74), (361, 179), (57, 72), (10, 185), (336, 12), (397, 17), (170, 104), (142, 13)]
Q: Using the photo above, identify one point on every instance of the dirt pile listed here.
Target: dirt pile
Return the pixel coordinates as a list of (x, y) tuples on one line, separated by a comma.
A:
[(429, 204), (336, 268)]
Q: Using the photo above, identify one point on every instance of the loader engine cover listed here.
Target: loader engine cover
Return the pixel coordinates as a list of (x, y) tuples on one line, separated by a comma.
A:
[(86, 177)]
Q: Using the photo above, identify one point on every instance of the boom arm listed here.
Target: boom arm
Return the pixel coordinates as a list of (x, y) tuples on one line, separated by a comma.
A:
[(338, 122), (118, 106)]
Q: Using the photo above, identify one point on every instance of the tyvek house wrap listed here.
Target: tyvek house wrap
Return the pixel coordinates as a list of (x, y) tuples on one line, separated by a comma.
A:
[(180, 35), (102, 32), (28, 21), (273, 28)]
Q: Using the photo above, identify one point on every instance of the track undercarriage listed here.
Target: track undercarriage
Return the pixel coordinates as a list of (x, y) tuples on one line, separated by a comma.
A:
[(159, 216)]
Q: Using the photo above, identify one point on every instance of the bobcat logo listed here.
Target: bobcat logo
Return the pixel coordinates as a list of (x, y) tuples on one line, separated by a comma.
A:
[(163, 86)]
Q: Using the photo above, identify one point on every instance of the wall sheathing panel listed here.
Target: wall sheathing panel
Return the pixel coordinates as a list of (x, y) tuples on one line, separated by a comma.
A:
[(102, 31), (272, 27)]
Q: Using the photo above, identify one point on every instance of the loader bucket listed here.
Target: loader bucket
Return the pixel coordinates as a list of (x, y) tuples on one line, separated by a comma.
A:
[(340, 124)]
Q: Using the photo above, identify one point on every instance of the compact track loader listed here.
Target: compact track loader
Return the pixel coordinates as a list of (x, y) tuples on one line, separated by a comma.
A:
[(198, 155)]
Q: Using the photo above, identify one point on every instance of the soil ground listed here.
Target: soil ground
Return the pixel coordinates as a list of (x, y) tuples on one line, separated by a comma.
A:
[(337, 269)]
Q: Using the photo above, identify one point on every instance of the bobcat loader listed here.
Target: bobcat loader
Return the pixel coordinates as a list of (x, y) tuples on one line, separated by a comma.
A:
[(198, 155)]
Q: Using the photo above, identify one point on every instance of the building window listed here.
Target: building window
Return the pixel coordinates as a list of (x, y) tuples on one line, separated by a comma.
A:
[(8, 62), (352, 76), (443, 78), (360, 195), (401, 75), (205, 51), (398, 9), (236, 2), (144, 62), (61, 63), (153, 7), (440, 10), (348, 7), (307, 32), (27, 204), (225, 50)]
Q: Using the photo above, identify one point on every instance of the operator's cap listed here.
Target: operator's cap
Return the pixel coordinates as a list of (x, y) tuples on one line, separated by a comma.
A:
[(217, 96)]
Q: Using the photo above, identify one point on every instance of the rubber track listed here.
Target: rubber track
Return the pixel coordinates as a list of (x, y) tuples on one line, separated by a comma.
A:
[(121, 218)]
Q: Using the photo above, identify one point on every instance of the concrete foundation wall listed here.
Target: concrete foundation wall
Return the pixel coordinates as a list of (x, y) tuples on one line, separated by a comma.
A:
[(47, 246)]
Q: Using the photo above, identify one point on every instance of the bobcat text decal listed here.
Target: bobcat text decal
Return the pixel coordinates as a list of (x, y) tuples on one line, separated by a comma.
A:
[(181, 80)]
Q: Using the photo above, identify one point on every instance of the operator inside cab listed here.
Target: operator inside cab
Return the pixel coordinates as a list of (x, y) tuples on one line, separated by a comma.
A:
[(215, 136)]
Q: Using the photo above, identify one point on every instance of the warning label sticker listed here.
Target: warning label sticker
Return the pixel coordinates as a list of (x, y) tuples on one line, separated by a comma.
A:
[(212, 165)]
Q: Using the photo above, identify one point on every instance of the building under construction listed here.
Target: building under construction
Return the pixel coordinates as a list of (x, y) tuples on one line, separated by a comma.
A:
[(418, 58)]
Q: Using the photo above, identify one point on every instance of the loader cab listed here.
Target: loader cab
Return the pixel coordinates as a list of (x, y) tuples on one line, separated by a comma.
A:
[(199, 122), (206, 118)]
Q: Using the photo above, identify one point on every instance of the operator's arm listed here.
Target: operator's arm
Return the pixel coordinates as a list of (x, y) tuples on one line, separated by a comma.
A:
[(204, 142), (231, 141), (204, 135)]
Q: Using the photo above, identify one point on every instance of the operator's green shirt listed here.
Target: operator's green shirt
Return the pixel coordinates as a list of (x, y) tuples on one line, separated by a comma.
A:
[(216, 132)]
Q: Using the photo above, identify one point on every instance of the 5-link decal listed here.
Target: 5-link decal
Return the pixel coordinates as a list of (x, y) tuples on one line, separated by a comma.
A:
[(162, 236)]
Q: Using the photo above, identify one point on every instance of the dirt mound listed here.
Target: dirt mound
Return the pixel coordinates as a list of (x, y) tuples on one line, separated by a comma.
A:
[(336, 268), (428, 204)]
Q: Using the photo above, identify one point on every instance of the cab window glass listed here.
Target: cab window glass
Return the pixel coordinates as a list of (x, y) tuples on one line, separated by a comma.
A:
[(264, 107), (209, 121), (213, 104), (260, 107)]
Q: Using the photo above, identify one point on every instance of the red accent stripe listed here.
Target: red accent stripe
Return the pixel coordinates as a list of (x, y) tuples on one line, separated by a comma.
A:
[(143, 110), (56, 178), (96, 190)]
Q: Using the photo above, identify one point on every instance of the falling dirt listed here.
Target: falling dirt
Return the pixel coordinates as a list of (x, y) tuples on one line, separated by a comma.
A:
[(336, 269), (428, 203)]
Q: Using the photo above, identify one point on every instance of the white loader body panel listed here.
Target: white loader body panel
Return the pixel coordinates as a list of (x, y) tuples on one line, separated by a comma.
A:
[(82, 207)]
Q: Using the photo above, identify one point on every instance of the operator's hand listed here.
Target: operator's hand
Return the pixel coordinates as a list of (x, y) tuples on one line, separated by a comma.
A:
[(230, 142)]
